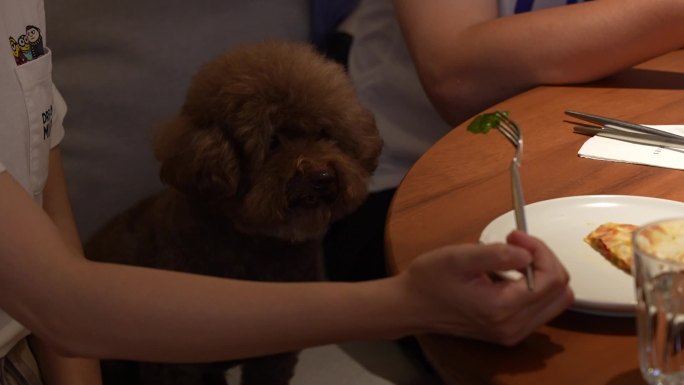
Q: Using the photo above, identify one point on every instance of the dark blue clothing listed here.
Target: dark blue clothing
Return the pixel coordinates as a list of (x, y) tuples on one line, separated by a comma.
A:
[(326, 15), (527, 5)]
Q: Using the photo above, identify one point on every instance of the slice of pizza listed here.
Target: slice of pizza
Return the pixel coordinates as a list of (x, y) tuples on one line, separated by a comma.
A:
[(614, 242), (663, 240)]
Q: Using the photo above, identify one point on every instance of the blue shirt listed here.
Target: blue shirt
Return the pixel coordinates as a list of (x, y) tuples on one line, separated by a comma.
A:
[(509, 7)]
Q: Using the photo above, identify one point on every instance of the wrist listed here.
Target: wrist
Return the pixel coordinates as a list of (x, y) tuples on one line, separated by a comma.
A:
[(405, 310)]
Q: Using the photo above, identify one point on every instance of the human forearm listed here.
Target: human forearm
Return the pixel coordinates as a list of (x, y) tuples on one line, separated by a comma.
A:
[(116, 311), (145, 314), (467, 63), (102, 310)]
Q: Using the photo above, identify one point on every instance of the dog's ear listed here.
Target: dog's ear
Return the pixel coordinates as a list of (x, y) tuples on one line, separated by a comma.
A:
[(357, 133), (196, 161)]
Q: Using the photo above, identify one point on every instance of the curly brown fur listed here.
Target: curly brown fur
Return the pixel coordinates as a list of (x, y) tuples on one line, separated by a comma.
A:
[(269, 148)]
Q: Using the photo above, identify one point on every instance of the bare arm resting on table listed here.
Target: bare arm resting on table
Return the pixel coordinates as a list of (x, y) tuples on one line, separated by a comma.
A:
[(114, 311), (469, 59)]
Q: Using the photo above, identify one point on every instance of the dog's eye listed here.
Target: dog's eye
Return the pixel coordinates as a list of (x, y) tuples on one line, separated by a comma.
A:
[(275, 143)]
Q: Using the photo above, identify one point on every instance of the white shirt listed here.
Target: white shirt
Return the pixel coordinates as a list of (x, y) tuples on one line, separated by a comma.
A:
[(31, 112), (388, 85)]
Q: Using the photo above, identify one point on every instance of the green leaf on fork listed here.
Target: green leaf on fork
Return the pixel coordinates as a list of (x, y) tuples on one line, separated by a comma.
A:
[(485, 122)]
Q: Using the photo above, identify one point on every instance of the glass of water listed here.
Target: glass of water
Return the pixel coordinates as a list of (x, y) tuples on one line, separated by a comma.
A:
[(659, 276)]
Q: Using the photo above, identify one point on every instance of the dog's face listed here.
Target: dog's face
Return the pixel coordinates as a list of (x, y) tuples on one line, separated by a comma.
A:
[(272, 137)]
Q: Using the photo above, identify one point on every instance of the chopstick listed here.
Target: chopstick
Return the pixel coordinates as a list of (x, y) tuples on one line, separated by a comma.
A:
[(650, 139), (621, 125)]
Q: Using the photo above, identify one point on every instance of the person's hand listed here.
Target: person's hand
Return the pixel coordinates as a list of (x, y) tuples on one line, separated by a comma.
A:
[(453, 288)]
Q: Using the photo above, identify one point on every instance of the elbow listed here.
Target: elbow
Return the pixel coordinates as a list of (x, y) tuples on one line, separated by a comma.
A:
[(459, 94), (448, 102), (458, 89), (452, 98)]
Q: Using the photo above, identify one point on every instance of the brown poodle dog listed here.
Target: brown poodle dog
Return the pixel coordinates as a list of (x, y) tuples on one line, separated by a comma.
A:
[(270, 147)]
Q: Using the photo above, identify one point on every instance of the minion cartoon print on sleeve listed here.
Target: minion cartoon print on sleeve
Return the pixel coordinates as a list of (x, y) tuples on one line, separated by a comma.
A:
[(28, 46)]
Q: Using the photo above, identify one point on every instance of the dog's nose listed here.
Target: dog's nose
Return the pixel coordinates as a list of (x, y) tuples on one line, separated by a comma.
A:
[(322, 180), (313, 184)]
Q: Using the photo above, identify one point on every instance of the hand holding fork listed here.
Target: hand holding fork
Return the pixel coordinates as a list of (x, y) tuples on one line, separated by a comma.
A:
[(512, 132)]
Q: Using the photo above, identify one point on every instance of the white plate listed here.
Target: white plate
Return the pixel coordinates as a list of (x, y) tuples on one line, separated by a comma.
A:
[(563, 223)]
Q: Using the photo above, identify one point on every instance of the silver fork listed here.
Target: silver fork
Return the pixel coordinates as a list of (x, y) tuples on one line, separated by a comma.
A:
[(514, 135)]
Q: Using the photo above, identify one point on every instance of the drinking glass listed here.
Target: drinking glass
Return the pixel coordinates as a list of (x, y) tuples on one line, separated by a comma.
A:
[(659, 276)]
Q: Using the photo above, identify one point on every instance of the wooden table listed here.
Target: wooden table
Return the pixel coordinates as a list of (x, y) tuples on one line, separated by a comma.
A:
[(462, 183)]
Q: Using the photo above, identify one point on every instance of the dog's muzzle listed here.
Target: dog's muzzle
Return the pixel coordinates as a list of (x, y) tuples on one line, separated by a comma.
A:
[(312, 185)]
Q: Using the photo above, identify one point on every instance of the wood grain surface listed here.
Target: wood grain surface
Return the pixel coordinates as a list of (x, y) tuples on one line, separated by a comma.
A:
[(462, 183)]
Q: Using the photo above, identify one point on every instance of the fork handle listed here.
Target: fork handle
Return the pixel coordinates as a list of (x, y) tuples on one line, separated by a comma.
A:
[(518, 199), (519, 210)]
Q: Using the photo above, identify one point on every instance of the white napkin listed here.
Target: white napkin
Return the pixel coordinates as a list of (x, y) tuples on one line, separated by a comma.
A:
[(615, 150)]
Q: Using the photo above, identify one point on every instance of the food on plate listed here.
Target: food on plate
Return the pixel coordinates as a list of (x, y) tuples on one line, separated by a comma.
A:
[(614, 242), (663, 240)]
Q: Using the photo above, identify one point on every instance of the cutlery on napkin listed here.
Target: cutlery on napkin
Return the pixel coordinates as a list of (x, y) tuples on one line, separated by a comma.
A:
[(621, 141), (628, 131)]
